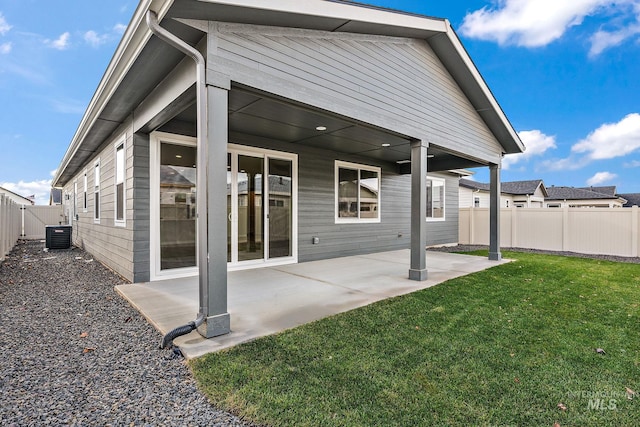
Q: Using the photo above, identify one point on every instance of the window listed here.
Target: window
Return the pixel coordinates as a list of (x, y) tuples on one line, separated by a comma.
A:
[(119, 190), (84, 193), (476, 202), (357, 193), (75, 200), (435, 199), (96, 191)]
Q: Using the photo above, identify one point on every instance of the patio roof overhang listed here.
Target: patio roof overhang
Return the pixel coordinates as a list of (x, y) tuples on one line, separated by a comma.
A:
[(129, 79)]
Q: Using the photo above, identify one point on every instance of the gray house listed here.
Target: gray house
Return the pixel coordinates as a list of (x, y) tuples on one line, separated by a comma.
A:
[(242, 133)]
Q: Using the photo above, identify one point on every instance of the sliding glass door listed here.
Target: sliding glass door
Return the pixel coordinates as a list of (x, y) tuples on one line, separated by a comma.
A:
[(260, 207)]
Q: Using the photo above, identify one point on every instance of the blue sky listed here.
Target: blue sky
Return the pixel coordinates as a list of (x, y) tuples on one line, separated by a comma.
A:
[(566, 73)]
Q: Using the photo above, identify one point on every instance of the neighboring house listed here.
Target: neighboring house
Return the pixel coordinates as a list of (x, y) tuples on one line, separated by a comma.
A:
[(21, 200), (521, 194), (361, 111), (633, 199), (583, 197)]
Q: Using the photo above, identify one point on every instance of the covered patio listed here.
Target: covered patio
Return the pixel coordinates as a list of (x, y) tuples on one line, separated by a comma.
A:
[(268, 300)]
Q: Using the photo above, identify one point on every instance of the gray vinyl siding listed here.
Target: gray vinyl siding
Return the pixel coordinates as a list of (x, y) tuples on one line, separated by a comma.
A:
[(396, 83), (141, 208), (107, 243), (316, 206)]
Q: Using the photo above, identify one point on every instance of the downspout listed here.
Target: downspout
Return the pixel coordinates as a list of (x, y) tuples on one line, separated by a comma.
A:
[(202, 173)]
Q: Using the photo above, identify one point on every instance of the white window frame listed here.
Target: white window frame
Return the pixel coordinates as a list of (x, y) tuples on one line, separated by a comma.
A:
[(476, 202), (358, 167), (97, 208), (75, 200), (120, 143), (84, 192), (444, 198), (156, 139)]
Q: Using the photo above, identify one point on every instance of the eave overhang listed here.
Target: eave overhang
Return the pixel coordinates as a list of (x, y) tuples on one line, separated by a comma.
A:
[(122, 86)]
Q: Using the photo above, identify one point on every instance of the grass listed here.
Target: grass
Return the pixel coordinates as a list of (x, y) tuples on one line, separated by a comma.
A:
[(512, 345)]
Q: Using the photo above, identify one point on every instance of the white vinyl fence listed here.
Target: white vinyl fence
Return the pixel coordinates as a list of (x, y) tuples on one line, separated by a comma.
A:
[(24, 222), (36, 218), (605, 231), (10, 225)]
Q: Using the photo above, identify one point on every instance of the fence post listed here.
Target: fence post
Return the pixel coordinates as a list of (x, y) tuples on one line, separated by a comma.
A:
[(634, 231), (472, 225), (514, 227), (565, 228), (3, 227)]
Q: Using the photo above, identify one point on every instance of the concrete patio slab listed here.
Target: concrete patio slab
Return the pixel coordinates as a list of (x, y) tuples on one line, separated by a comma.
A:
[(268, 300)]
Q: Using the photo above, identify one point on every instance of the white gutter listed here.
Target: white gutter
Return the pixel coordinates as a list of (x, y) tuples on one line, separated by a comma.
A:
[(202, 178)]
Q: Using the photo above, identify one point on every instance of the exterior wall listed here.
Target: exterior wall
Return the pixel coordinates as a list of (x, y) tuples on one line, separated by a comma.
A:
[(395, 83), (467, 196), (605, 231), (140, 208), (18, 199), (316, 209), (110, 244)]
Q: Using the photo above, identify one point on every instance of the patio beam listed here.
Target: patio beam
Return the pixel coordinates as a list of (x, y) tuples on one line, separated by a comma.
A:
[(494, 213), (418, 267), (217, 321)]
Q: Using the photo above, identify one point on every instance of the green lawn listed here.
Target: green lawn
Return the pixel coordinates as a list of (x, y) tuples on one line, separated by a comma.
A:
[(512, 345)]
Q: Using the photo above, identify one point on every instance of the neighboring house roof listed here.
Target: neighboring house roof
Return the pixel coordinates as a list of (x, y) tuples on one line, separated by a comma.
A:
[(633, 199), (573, 193), (129, 78), (523, 187), (610, 190), (16, 197), (510, 187)]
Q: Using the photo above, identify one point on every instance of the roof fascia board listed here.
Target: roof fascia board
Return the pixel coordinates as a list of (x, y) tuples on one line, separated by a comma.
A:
[(135, 38), (342, 10)]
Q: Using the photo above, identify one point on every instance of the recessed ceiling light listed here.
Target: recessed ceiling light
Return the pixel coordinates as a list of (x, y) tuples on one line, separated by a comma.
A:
[(386, 144), (321, 128), (178, 156)]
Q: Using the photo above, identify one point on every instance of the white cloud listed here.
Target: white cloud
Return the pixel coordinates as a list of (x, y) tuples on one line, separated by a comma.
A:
[(95, 39), (603, 40), (5, 48), (612, 139), (529, 23), (119, 28), (535, 23), (61, 43), (40, 189), (4, 25), (536, 142), (601, 178), (632, 164)]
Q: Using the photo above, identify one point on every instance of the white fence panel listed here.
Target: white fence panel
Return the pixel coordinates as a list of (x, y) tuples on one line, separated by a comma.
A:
[(36, 218), (9, 225), (606, 231)]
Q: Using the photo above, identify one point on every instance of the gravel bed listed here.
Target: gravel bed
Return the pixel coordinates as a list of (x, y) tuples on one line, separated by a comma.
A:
[(468, 248), (75, 353)]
